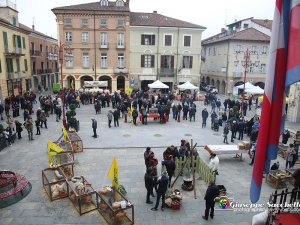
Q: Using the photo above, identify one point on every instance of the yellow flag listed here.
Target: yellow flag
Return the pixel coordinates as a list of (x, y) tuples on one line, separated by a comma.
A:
[(113, 173), (53, 149), (65, 134)]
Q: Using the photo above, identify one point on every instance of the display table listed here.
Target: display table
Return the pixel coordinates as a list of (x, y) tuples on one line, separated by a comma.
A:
[(225, 149), (154, 116), (278, 178)]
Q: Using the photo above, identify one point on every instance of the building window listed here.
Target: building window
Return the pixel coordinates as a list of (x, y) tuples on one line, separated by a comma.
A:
[(67, 21), (265, 50), (121, 40), (263, 68), (41, 48), (167, 61), (14, 21), (253, 49), (187, 62), (85, 60), (84, 22), (24, 43), (68, 36), (119, 3), (103, 40), (147, 61), (69, 62), (25, 65), (148, 39), (18, 65), (103, 60), (251, 68), (104, 2), (121, 60), (84, 37), (168, 40), (187, 41), (246, 25), (121, 23), (103, 22), (238, 49)]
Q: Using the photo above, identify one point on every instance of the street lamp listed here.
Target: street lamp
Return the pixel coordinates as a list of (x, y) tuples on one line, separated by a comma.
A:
[(246, 63), (61, 48)]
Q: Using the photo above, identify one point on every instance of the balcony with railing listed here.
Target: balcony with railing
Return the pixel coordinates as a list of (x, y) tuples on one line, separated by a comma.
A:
[(13, 51), (103, 46), (52, 56), (120, 70), (166, 72), (35, 53), (13, 75), (121, 47)]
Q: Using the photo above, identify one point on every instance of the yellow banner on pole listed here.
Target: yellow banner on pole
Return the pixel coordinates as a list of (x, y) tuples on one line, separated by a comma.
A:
[(65, 134), (53, 149), (113, 173)]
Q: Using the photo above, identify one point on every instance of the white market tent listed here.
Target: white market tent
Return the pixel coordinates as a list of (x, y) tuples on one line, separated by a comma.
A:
[(249, 88), (158, 85), (187, 86)]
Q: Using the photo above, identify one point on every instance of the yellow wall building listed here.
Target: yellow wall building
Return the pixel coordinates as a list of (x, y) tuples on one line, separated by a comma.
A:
[(14, 54)]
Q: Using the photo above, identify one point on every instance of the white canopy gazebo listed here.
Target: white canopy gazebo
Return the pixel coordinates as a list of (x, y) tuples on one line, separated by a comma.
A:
[(187, 86), (158, 85)]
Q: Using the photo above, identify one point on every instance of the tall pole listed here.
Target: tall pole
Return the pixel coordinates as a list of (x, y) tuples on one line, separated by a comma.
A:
[(61, 61), (246, 58)]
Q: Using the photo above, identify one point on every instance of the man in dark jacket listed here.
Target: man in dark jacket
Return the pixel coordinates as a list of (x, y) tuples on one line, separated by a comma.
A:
[(234, 128), (147, 157), (161, 191), (170, 167), (116, 117), (94, 126), (211, 193), (204, 117), (149, 184)]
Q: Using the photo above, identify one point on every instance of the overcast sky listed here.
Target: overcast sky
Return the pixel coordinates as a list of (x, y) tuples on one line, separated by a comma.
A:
[(212, 14)]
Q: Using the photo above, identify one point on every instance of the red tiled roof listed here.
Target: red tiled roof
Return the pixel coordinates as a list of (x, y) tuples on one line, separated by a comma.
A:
[(24, 27), (250, 34), (94, 6), (155, 19), (265, 23)]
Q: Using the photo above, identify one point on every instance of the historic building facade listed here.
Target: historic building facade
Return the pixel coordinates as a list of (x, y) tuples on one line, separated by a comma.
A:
[(223, 61), (43, 64), (164, 48), (15, 68), (95, 38)]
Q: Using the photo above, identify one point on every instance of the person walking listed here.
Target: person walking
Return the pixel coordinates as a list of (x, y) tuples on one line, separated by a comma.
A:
[(29, 127), (43, 118), (19, 128), (290, 156), (94, 126), (149, 184), (161, 191), (37, 125), (204, 117), (109, 116), (234, 128), (285, 136), (211, 193), (116, 117), (214, 164), (10, 122), (135, 114), (192, 113), (225, 133), (147, 154)]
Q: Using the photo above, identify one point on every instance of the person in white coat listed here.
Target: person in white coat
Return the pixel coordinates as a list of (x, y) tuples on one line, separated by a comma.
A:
[(214, 163)]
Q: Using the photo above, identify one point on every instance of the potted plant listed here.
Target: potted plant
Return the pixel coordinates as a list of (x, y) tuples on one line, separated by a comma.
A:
[(71, 119)]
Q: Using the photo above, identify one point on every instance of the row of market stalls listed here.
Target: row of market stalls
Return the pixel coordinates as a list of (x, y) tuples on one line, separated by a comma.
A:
[(249, 89), (160, 85)]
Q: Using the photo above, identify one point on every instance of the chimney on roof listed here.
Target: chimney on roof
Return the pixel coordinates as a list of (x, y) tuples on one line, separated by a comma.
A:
[(223, 30), (33, 23), (154, 11)]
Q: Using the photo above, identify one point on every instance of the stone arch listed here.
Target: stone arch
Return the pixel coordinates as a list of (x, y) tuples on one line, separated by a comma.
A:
[(260, 84), (212, 82), (85, 78), (106, 78), (70, 82), (121, 83), (218, 85), (207, 80), (223, 87)]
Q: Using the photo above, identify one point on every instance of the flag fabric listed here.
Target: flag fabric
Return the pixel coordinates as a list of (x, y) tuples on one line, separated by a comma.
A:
[(65, 134), (113, 173), (53, 149), (283, 65)]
